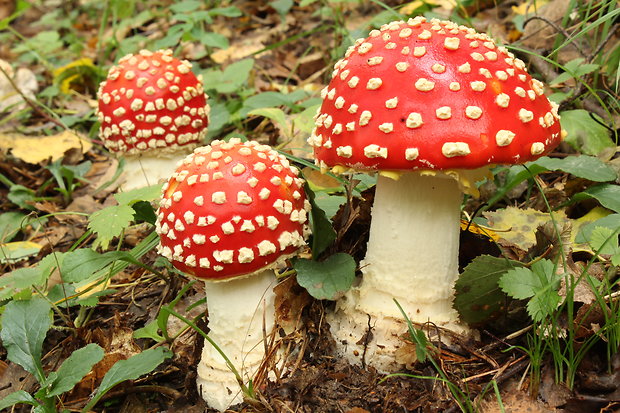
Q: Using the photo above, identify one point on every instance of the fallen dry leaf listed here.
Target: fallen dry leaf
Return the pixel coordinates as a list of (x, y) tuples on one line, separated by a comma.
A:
[(35, 149), (24, 79)]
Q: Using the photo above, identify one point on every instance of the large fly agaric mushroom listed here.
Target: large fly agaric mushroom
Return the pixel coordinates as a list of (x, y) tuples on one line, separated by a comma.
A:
[(429, 105), (153, 111), (231, 213)]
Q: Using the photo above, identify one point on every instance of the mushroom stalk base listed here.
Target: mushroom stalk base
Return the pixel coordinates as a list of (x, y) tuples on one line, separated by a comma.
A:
[(238, 310), (148, 169), (412, 257)]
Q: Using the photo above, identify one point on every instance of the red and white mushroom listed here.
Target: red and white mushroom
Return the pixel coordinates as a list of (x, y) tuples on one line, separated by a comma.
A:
[(427, 104), (153, 111), (231, 213)]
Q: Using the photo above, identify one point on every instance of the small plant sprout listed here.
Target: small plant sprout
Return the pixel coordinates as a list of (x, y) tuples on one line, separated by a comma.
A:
[(230, 214), (429, 105), (153, 111)]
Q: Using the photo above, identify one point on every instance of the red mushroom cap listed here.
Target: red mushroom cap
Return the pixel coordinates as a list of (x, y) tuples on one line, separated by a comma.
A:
[(232, 209), (431, 95), (151, 100)]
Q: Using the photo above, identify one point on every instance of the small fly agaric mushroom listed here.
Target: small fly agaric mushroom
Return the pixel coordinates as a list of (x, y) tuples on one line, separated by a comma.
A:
[(153, 110), (428, 104), (231, 213)]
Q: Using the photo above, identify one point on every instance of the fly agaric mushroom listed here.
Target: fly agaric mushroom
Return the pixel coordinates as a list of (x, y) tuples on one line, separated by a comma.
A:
[(231, 213), (427, 104), (153, 110)]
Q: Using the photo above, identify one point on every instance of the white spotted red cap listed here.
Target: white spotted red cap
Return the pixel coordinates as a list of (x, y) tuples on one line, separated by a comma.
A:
[(232, 209), (151, 100), (431, 95)]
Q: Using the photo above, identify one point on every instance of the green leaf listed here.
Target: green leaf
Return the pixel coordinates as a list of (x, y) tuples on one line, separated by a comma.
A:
[(611, 222), (265, 100), (275, 114), (151, 330), (539, 284), (24, 327), (232, 78), (74, 368), (80, 264), (330, 204), (323, 233), (326, 280), (144, 212), (10, 224), (587, 167), (110, 222), (186, 6), (607, 194), (147, 193), (281, 6), (575, 69), (230, 11), (20, 279), (129, 369), (211, 39), (605, 241), (584, 133), (478, 297), (20, 396), (20, 7)]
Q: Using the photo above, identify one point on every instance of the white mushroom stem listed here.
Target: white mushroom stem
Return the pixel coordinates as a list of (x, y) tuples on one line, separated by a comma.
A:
[(149, 169), (412, 257), (238, 311)]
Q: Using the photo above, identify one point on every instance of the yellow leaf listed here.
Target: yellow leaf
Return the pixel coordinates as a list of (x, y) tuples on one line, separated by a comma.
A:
[(519, 225), (78, 70), (16, 251), (528, 7), (480, 230), (35, 149), (412, 7)]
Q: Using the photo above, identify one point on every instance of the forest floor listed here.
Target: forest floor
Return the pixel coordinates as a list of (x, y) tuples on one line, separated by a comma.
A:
[(293, 49)]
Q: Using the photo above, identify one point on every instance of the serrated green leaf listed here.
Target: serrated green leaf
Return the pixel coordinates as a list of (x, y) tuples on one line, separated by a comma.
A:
[(326, 280), (147, 193), (539, 283), (109, 223), (80, 264), (323, 233), (478, 297), (610, 221), (130, 369), (74, 368), (582, 166), (519, 283), (605, 241), (24, 327), (20, 396), (543, 304), (584, 133)]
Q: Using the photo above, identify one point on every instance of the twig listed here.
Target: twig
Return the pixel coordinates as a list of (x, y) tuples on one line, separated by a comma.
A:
[(598, 49), (557, 28), (149, 388)]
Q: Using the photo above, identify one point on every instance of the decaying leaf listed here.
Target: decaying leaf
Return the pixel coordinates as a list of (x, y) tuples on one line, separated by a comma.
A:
[(35, 149), (517, 227), (24, 79)]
